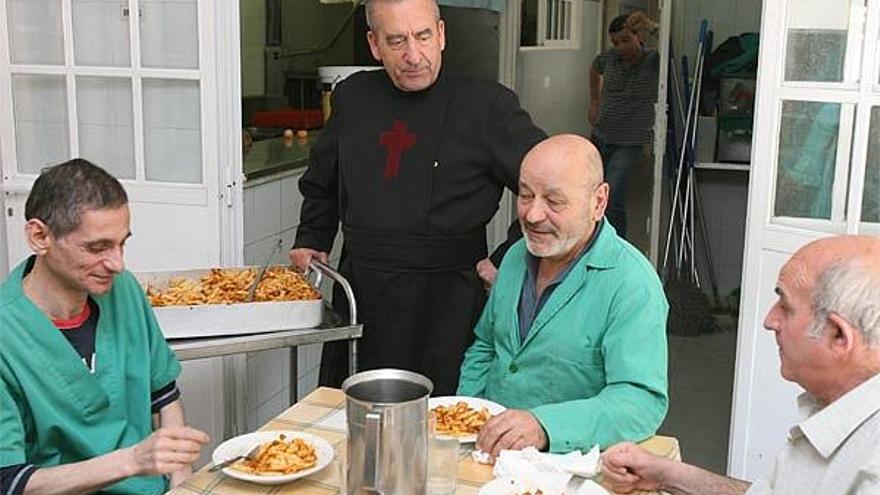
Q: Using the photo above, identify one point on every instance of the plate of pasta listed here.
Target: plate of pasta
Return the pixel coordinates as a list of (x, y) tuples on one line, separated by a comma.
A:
[(462, 417), (283, 456)]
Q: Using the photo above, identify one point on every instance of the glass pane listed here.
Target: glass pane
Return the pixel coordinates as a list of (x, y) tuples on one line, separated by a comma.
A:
[(170, 34), (817, 32), (172, 131), (104, 114), (100, 33), (39, 106), (871, 196), (807, 159), (35, 35)]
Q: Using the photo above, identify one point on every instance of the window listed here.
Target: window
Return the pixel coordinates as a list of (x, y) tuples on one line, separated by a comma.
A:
[(826, 175), (123, 92), (551, 24)]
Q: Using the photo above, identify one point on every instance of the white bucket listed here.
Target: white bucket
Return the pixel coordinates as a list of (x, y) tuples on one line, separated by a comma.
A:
[(332, 74)]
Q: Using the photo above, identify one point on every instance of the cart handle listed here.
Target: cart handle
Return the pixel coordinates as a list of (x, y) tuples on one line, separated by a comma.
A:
[(322, 268)]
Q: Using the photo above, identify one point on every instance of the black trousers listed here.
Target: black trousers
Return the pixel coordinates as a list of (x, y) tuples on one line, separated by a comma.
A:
[(416, 321)]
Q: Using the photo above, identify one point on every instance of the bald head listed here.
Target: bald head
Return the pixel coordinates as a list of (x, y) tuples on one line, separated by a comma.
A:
[(571, 152), (808, 264), (562, 196), (842, 274)]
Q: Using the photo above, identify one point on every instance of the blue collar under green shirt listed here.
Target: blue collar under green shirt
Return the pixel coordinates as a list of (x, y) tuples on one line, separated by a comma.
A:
[(529, 302)]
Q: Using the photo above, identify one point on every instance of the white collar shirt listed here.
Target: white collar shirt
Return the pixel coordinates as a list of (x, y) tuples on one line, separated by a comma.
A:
[(836, 450)]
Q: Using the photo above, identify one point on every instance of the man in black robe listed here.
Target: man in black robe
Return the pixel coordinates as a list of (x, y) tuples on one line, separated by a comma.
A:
[(413, 163)]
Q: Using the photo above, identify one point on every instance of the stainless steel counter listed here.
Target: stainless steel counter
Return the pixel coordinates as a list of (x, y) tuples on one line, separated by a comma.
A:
[(275, 155)]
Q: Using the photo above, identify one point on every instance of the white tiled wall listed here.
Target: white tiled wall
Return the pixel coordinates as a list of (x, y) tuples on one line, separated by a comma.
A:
[(271, 212), (201, 391)]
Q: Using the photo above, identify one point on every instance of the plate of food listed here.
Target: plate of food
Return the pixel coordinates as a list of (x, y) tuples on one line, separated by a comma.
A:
[(462, 417), (283, 456)]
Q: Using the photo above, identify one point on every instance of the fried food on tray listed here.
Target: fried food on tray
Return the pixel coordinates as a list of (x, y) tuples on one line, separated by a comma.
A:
[(228, 286), (459, 420), (279, 457)]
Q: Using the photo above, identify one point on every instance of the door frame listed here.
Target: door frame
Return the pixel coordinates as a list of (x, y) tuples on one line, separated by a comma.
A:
[(755, 437)]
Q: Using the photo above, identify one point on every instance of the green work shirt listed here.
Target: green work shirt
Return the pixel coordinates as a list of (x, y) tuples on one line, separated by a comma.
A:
[(52, 409), (592, 368)]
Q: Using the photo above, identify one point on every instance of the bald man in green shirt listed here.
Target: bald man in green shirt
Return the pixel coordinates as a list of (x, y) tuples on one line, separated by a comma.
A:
[(573, 337)]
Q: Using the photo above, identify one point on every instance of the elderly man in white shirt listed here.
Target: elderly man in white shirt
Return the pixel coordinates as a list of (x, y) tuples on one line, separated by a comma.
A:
[(827, 326)]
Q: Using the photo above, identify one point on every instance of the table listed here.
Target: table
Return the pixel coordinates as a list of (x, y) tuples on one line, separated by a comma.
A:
[(322, 413)]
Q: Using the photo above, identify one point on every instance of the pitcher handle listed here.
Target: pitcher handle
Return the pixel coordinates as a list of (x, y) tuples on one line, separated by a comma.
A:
[(371, 452)]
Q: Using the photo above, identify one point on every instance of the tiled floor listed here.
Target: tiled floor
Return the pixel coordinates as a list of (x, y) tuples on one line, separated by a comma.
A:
[(700, 391)]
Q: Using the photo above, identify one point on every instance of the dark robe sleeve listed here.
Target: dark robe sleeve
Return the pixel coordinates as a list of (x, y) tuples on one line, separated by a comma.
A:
[(510, 134), (14, 478), (319, 185)]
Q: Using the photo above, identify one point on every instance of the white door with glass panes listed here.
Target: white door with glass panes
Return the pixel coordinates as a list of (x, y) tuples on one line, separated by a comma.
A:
[(132, 85), (815, 172)]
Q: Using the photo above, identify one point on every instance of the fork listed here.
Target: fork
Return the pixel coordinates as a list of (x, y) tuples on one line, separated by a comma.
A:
[(250, 455)]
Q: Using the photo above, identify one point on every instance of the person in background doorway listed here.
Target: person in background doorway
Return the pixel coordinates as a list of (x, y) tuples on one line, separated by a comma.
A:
[(88, 393), (412, 162), (573, 338), (827, 326), (623, 90)]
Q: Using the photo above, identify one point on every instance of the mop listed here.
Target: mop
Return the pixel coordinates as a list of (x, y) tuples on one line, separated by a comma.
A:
[(689, 310)]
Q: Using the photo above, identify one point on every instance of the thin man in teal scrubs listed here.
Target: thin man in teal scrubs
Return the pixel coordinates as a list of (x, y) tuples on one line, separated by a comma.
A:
[(88, 394), (573, 337)]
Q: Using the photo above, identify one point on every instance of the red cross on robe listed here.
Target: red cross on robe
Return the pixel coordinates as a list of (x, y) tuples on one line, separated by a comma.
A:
[(397, 140)]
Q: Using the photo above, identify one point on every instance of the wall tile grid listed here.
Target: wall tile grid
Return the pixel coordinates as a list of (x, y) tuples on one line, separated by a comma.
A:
[(272, 212)]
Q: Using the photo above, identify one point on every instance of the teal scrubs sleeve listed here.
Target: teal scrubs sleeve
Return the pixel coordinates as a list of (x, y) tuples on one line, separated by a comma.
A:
[(164, 366), (12, 448), (480, 355)]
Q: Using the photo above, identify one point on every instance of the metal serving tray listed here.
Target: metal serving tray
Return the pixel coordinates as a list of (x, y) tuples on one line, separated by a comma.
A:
[(210, 320)]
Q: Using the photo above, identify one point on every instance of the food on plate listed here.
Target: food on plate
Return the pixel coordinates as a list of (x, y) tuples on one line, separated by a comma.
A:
[(459, 419), (228, 286), (518, 490), (279, 457)]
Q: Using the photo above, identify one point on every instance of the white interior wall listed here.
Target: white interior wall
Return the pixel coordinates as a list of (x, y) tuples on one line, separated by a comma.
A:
[(553, 85), (253, 45), (726, 18)]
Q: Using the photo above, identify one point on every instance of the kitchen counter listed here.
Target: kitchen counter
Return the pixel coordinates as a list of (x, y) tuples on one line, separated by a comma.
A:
[(277, 155)]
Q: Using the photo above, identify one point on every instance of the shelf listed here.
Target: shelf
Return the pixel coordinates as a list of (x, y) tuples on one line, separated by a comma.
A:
[(733, 167)]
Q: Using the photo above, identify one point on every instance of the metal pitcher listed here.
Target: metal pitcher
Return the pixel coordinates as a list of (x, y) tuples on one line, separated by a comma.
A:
[(387, 415)]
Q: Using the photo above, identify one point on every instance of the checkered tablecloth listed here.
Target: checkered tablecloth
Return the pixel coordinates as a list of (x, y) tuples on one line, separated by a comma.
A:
[(322, 413)]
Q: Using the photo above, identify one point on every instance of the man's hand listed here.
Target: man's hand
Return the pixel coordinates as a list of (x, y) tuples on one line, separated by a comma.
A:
[(301, 257), (594, 112), (167, 450), (511, 430), (627, 467), (178, 477), (487, 271)]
